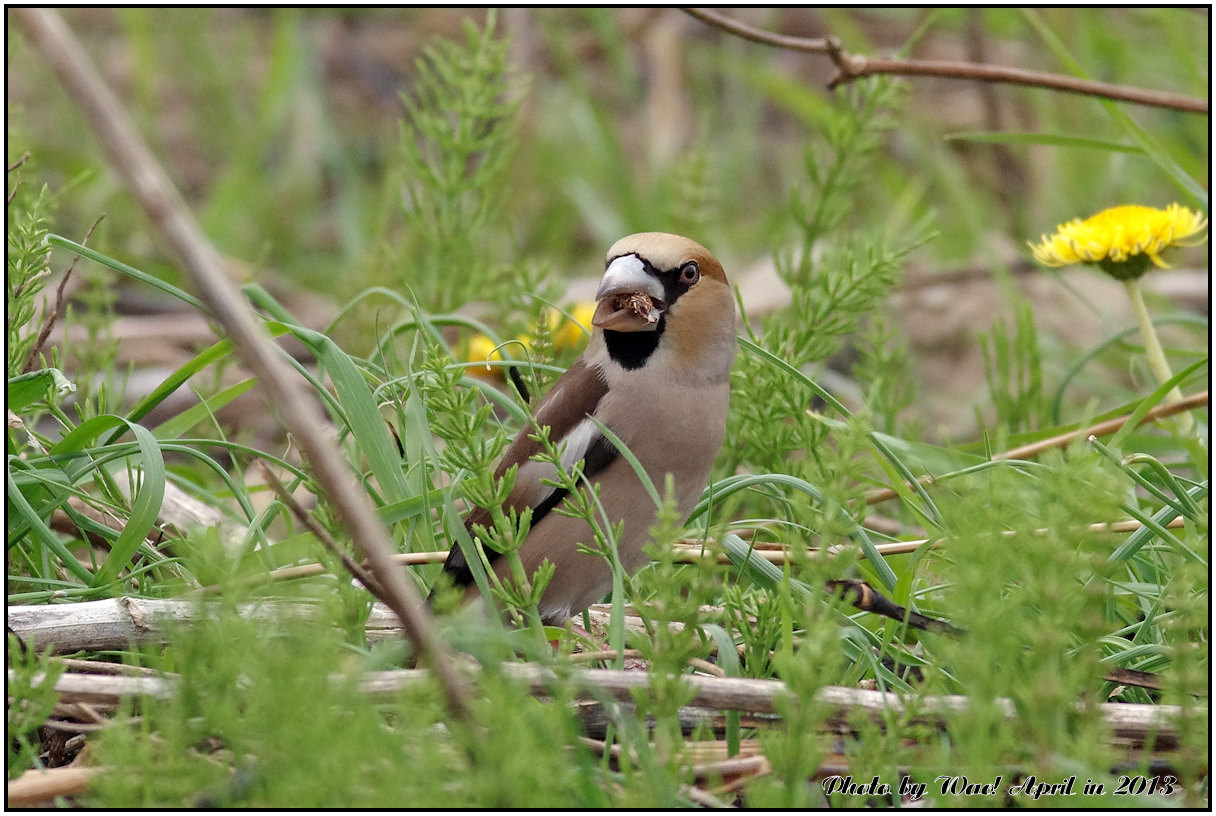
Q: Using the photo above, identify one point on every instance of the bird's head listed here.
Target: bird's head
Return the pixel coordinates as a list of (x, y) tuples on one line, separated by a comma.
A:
[(662, 285), (648, 274)]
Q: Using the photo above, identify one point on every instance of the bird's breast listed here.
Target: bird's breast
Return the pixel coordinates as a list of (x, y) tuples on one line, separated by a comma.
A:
[(671, 428)]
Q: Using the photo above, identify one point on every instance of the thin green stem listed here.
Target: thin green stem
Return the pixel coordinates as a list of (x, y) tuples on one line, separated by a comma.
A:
[(1152, 350)]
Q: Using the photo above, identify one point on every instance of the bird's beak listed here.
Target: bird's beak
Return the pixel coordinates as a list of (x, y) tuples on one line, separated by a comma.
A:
[(630, 300)]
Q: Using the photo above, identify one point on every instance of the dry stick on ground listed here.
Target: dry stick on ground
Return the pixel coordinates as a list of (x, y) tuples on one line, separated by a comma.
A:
[(1110, 426), (856, 66), (300, 414), (609, 654), (1137, 722), (902, 547), (690, 551), (120, 623), (44, 785), (1133, 724)]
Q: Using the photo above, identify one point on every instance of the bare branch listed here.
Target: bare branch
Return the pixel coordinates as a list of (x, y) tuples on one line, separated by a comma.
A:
[(1130, 724), (13, 194), (1106, 428), (119, 623), (41, 786), (1063, 440), (756, 35), (24, 158), (855, 66), (691, 551)]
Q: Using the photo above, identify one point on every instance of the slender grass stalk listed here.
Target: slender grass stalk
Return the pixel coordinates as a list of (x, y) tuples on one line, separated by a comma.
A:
[(1153, 352)]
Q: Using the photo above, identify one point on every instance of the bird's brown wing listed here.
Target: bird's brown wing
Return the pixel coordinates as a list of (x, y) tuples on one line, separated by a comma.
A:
[(574, 397)]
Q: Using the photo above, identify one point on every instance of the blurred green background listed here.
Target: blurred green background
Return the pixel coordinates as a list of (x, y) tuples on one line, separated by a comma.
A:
[(282, 128)]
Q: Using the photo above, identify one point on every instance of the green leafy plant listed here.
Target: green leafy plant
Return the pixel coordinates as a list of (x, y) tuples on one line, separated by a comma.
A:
[(31, 689), (455, 143), (27, 270)]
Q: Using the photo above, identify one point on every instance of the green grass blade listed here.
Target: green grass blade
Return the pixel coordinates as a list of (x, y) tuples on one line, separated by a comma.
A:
[(733, 484), (1189, 186), (728, 659), (1047, 139), (47, 537), (129, 271), (177, 425), (1075, 369), (1154, 526), (145, 506), (931, 511), (26, 389), (178, 378), (361, 413), (1148, 403)]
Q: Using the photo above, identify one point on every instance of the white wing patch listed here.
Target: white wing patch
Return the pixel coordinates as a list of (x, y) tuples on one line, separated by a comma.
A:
[(578, 441), (529, 482)]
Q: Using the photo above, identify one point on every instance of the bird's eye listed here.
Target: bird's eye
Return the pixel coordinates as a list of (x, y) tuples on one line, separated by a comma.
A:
[(690, 273)]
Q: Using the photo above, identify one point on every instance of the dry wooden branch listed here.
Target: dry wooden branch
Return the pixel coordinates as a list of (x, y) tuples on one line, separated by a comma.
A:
[(855, 66), (1131, 722), (41, 787), (1063, 440), (1133, 726), (688, 551), (119, 623), (108, 689), (301, 415), (1110, 426)]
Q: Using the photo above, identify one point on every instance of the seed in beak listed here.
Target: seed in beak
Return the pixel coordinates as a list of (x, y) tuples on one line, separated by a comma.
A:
[(640, 304)]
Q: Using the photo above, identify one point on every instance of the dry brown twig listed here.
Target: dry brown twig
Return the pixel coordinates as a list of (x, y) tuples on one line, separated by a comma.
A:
[(1063, 440), (855, 66), (297, 408), (352, 566), (43, 786), (13, 193), (48, 322), (609, 654), (1110, 426)]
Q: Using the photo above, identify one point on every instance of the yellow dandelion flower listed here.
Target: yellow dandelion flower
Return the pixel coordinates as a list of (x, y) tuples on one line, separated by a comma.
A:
[(571, 333), (1125, 241), (1122, 240), (482, 349), (568, 332)]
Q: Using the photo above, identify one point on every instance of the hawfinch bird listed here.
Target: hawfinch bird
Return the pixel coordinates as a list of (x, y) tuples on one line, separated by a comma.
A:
[(657, 374)]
